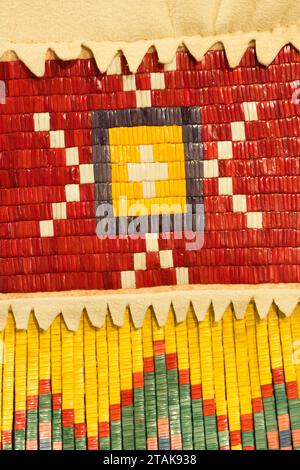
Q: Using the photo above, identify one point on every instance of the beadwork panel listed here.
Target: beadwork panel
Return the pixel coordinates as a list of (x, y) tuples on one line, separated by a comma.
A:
[(233, 384), (179, 137)]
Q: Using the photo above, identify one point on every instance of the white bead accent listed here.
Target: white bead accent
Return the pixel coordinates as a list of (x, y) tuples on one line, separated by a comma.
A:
[(151, 241), (46, 228), (129, 83), (147, 171), (146, 153), (139, 261), (225, 149), (238, 130), (128, 279), (143, 98), (72, 156), (210, 168), (254, 220), (72, 192), (166, 259), (149, 189), (86, 171), (157, 81), (225, 185), (239, 202), (59, 210), (57, 139), (41, 121), (250, 111), (182, 275)]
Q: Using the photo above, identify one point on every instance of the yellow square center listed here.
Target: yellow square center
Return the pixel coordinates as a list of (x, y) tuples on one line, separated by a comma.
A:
[(147, 170)]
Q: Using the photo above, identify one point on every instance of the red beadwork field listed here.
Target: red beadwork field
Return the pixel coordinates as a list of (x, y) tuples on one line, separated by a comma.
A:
[(249, 174)]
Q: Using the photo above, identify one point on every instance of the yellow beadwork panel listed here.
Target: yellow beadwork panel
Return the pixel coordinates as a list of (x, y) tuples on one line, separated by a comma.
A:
[(147, 170)]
